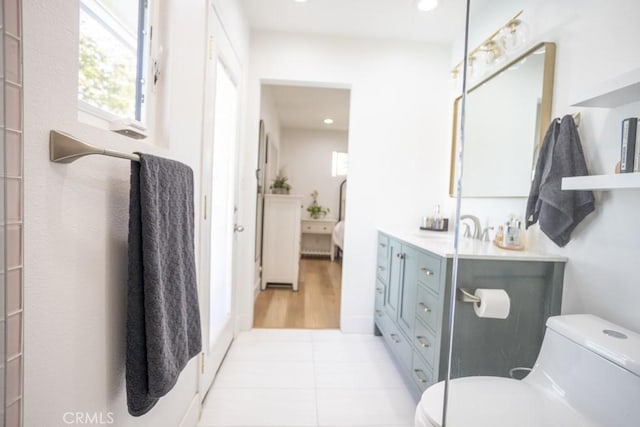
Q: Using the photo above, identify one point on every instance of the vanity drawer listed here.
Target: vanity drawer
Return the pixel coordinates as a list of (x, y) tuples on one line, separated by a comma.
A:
[(382, 265), (399, 345), (421, 373), (425, 342), (380, 289), (429, 271), (382, 320), (428, 308), (322, 227)]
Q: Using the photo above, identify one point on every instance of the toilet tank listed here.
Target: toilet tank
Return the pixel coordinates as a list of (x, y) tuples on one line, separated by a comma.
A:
[(593, 366)]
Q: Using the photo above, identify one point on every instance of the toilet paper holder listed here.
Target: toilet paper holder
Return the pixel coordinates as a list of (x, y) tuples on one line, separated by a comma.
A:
[(465, 295)]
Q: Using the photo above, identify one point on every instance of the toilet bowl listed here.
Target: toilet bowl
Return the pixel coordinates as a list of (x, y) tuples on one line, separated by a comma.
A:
[(587, 374)]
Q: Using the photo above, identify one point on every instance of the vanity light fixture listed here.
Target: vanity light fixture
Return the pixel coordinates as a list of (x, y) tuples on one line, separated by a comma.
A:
[(328, 121), (495, 48), (426, 5)]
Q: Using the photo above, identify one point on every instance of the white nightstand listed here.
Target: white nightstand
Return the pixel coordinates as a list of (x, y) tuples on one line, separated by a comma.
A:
[(316, 236)]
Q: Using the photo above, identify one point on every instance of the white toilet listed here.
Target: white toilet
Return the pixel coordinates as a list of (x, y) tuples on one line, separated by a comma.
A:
[(587, 374)]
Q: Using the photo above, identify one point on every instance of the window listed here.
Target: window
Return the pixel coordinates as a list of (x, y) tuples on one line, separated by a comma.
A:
[(339, 163), (111, 78)]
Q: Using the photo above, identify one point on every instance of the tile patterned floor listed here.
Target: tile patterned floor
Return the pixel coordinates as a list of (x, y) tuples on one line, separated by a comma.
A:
[(280, 377)]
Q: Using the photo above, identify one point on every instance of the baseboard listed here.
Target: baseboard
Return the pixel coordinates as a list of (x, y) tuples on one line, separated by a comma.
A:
[(192, 416)]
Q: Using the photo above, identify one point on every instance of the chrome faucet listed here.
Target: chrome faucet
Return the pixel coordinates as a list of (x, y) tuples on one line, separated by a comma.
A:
[(477, 228)]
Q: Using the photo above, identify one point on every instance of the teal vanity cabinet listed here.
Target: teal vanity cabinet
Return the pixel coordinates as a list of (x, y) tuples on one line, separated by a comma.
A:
[(382, 278), (412, 310)]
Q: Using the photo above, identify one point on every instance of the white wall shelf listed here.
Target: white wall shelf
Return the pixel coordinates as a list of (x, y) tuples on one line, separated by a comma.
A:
[(621, 90), (602, 182)]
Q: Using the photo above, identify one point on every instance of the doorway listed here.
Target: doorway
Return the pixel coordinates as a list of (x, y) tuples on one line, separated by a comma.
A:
[(218, 227), (303, 140)]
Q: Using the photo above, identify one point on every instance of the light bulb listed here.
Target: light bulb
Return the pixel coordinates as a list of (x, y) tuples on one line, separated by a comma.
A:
[(513, 35), (426, 5), (328, 121)]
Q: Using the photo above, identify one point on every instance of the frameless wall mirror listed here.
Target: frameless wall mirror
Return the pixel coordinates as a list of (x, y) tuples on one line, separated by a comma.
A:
[(504, 126)]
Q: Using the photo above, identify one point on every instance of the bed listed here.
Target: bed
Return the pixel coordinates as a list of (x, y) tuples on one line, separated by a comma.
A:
[(337, 236)]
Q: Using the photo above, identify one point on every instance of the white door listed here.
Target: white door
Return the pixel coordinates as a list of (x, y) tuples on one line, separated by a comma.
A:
[(219, 198)]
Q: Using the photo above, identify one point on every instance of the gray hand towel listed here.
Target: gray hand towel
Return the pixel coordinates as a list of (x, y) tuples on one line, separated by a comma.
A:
[(558, 211), (163, 319)]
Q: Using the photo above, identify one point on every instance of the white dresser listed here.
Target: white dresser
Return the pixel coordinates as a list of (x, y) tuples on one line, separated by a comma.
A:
[(316, 237), (281, 240)]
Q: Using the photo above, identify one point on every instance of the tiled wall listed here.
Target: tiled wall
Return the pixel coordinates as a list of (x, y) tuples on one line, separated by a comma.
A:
[(14, 215)]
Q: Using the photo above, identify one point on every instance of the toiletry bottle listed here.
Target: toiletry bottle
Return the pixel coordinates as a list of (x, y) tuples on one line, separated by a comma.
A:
[(499, 239), (437, 219)]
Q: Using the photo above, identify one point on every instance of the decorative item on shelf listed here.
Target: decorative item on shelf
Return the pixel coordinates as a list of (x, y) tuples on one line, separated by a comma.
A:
[(315, 210), (495, 49), (435, 222), (630, 146), (280, 184), (510, 235)]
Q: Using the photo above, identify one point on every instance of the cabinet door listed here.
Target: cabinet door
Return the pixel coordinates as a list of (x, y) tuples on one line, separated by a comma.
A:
[(407, 312), (392, 299), (382, 268)]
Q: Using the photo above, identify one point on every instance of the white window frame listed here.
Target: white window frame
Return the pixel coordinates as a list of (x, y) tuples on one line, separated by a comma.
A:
[(339, 163), (151, 53)]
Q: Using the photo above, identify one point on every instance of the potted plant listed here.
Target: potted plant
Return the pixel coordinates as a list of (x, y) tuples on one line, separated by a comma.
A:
[(280, 185), (315, 210)]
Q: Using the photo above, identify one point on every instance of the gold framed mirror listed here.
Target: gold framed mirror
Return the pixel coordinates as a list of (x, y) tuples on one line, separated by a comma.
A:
[(507, 115)]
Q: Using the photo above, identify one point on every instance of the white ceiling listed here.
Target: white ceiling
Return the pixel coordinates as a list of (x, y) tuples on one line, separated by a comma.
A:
[(301, 107), (305, 108), (380, 19)]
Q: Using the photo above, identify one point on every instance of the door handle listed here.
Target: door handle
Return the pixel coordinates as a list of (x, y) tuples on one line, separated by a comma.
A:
[(424, 307), (420, 376), (426, 271), (238, 228), (423, 342)]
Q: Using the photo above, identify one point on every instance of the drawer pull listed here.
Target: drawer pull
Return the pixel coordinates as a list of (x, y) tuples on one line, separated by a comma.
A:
[(420, 376), (379, 313), (380, 268), (383, 245), (380, 290), (324, 228), (395, 338), (426, 271), (424, 307), (422, 341)]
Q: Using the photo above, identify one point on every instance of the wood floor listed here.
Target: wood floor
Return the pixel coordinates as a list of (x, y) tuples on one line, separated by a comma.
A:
[(316, 305)]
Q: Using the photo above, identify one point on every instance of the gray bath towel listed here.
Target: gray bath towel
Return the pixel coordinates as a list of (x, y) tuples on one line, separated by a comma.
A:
[(558, 211), (163, 319)]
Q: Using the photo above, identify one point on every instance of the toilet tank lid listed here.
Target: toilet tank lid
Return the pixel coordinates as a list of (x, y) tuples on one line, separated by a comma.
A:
[(615, 343)]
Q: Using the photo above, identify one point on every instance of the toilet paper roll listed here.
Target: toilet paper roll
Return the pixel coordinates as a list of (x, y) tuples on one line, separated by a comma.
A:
[(494, 303)]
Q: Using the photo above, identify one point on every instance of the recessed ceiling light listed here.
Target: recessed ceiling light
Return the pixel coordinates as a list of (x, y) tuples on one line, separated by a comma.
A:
[(300, 1), (328, 121), (426, 5)]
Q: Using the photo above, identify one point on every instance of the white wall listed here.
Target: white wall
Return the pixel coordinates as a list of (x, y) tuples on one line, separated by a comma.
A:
[(307, 155), (77, 216), (595, 42), (269, 114), (398, 139)]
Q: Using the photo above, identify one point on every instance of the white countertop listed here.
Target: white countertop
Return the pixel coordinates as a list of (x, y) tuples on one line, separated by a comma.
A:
[(441, 243)]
